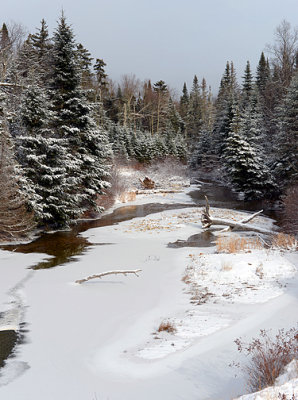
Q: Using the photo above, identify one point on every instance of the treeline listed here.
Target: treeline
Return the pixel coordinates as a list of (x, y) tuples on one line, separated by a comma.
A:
[(254, 138), (63, 122)]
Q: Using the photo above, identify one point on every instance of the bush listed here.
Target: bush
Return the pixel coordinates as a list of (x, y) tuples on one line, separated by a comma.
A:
[(167, 326), (268, 356)]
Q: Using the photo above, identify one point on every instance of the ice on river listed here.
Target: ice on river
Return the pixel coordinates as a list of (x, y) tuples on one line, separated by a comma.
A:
[(100, 340)]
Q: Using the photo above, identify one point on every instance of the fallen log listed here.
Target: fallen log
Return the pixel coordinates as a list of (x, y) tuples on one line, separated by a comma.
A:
[(207, 221), (115, 272)]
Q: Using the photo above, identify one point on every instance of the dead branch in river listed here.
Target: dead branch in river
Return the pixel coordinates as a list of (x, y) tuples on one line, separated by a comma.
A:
[(207, 221), (115, 272)]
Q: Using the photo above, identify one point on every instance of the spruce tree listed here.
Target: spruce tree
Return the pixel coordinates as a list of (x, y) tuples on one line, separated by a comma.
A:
[(247, 85), (86, 147), (42, 155), (194, 116), (263, 74), (15, 222), (286, 169), (243, 156), (184, 102)]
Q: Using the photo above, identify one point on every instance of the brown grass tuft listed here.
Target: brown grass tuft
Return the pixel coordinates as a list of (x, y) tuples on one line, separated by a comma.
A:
[(167, 326), (284, 242), (236, 244)]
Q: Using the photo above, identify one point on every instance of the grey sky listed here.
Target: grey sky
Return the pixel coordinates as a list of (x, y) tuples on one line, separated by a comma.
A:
[(164, 39)]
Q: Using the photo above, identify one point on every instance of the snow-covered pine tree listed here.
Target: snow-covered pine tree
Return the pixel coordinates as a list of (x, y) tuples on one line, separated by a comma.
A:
[(15, 221), (194, 116), (263, 74), (174, 121), (184, 102), (247, 85), (243, 158), (42, 155), (227, 96), (286, 169), (86, 147)]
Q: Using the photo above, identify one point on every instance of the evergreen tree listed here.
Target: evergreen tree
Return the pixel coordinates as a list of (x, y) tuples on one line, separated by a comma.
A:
[(286, 169), (194, 117), (184, 102), (263, 74), (15, 221), (243, 157), (174, 121), (228, 96), (247, 86), (84, 61), (86, 146), (43, 156), (5, 51)]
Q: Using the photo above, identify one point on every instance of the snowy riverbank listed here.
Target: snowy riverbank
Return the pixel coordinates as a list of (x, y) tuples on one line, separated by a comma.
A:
[(100, 340)]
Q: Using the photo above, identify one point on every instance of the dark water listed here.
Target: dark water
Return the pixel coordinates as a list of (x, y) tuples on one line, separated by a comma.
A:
[(8, 340), (64, 246), (203, 239), (223, 197)]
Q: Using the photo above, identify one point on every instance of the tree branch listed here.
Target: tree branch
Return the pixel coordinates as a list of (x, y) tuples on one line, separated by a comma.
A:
[(115, 272), (207, 221)]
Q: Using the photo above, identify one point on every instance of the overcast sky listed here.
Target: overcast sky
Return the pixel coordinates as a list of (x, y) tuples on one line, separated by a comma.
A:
[(164, 39)]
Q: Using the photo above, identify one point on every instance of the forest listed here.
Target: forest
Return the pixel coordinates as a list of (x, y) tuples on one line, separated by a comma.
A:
[(64, 124)]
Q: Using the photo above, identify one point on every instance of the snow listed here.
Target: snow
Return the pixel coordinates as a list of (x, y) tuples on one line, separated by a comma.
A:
[(100, 339), (285, 385)]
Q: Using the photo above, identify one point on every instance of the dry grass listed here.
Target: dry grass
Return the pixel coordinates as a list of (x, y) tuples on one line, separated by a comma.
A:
[(284, 241), (268, 356), (235, 244), (167, 326)]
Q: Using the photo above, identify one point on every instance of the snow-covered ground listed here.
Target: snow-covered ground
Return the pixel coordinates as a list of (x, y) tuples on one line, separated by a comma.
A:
[(100, 340)]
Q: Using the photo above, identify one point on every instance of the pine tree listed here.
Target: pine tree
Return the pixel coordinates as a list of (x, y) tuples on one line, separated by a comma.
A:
[(227, 97), (174, 121), (263, 74), (184, 102), (86, 147), (15, 222), (5, 51), (43, 160), (247, 86), (286, 170), (243, 157), (194, 117), (84, 61)]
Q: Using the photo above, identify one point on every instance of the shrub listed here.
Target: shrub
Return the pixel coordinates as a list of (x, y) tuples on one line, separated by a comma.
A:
[(268, 356), (167, 326)]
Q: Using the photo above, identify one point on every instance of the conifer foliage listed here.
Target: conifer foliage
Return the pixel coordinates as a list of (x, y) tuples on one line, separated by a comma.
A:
[(15, 221)]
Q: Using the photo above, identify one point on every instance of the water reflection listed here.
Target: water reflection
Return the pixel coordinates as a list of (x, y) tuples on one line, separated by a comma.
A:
[(203, 239), (8, 340)]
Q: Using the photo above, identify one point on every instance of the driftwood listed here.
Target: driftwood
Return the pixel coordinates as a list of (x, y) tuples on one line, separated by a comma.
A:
[(207, 221), (115, 272), (148, 183)]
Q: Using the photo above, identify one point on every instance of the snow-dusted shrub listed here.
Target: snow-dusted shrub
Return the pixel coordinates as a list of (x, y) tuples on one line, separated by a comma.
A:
[(268, 356), (167, 326)]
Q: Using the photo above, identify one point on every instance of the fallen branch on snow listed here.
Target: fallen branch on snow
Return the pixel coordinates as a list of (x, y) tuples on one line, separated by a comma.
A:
[(124, 272), (207, 221)]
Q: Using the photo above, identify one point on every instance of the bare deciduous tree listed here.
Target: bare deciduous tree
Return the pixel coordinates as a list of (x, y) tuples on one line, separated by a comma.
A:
[(284, 51)]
